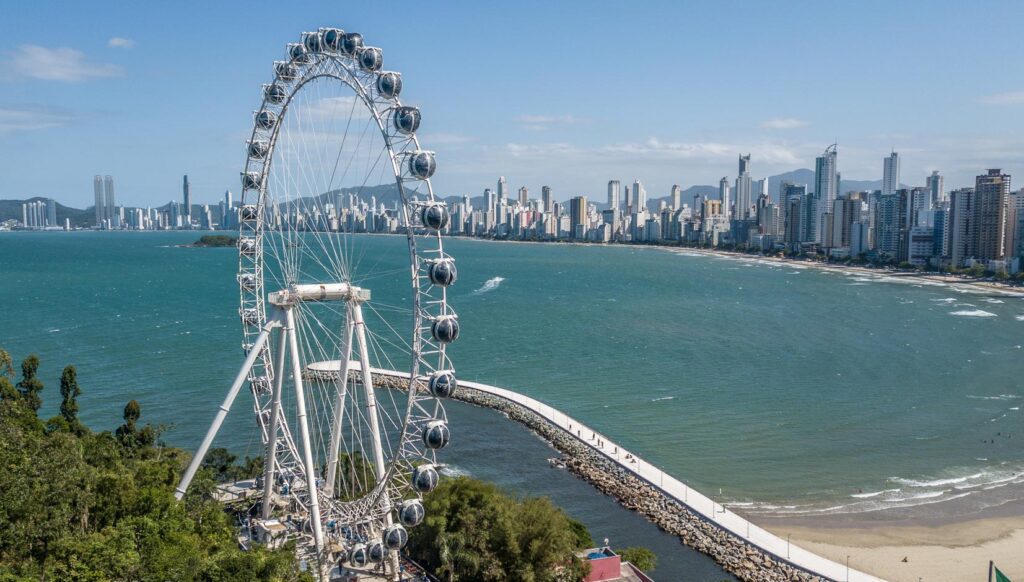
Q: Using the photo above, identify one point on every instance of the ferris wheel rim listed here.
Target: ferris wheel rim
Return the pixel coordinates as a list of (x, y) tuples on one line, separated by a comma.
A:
[(292, 87)]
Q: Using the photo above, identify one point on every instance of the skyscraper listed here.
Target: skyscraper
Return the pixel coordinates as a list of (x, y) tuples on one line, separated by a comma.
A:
[(639, 196), (991, 191), (186, 189), (502, 188), (578, 217), (890, 173), (109, 200), (100, 198), (613, 194), (524, 196), (826, 186), (677, 197), (723, 195), (744, 200), (935, 184), (228, 211), (546, 200)]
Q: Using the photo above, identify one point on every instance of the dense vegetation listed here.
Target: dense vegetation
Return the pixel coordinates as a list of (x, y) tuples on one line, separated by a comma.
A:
[(475, 532), (80, 505), (215, 240)]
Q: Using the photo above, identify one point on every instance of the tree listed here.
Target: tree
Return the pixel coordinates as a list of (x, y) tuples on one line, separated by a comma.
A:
[(642, 558), (69, 392), (475, 532), (30, 386)]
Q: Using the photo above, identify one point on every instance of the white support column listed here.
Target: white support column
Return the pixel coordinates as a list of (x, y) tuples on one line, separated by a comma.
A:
[(339, 404), (197, 460), (371, 398), (371, 411), (307, 444), (270, 461)]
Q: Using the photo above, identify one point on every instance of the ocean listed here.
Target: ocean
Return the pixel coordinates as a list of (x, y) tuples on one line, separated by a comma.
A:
[(784, 391)]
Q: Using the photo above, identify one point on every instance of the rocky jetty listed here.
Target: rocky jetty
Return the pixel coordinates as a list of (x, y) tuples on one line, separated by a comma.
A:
[(732, 552)]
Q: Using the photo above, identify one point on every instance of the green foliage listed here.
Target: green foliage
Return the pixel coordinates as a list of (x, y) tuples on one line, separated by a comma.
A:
[(215, 240), (475, 532), (223, 467), (30, 386), (84, 506), (640, 557), (69, 392)]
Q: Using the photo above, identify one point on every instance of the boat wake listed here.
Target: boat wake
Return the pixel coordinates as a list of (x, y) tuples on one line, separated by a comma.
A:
[(490, 285)]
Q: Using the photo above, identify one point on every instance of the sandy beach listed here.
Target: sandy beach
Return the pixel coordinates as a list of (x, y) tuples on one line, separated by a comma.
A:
[(954, 552)]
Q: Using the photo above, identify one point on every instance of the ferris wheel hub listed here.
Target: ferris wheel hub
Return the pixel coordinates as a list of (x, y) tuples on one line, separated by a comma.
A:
[(316, 292)]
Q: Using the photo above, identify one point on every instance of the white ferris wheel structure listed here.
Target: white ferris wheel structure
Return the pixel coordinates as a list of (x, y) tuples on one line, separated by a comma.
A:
[(346, 463)]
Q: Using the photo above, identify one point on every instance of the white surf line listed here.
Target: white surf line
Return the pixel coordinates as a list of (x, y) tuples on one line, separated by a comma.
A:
[(700, 504)]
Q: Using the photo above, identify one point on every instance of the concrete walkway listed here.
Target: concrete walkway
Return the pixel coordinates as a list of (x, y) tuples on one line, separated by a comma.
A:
[(697, 502)]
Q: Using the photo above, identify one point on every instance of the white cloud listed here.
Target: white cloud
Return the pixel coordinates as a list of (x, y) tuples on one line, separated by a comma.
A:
[(118, 42), (544, 122), (1008, 98), (14, 120), (783, 123), (53, 64), (430, 139)]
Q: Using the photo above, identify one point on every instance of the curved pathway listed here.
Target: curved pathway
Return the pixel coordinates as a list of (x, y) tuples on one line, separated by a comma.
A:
[(695, 501)]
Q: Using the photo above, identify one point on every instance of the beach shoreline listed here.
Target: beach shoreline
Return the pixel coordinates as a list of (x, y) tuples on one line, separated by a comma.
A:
[(887, 274), (957, 551)]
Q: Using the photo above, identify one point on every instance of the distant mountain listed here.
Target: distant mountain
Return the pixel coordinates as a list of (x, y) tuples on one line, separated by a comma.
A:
[(11, 210)]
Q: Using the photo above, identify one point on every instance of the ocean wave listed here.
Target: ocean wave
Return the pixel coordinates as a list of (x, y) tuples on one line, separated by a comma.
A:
[(935, 482), (662, 398), (997, 397), (991, 300), (973, 313), (491, 284), (1019, 317), (945, 300), (453, 471), (875, 493)]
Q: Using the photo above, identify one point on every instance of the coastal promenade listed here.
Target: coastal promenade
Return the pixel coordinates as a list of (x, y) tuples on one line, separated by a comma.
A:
[(699, 504)]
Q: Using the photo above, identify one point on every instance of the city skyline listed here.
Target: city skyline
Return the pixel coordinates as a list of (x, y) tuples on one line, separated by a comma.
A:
[(125, 104)]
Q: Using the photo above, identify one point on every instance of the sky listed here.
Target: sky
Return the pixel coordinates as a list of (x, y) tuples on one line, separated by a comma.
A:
[(564, 94)]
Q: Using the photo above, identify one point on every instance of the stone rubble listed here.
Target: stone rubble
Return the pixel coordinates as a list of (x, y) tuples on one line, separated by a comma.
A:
[(734, 554)]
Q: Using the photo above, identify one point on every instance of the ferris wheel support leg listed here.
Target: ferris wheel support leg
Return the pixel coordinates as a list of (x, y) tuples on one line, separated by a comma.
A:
[(371, 398), (339, 406), (371, 411), (307, 443), (197, 460), (270, 462)]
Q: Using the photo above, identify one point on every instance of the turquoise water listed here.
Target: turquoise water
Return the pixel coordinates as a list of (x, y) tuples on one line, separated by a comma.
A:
[(792, 390)]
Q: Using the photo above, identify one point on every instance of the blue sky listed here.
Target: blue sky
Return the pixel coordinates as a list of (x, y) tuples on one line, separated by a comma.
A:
[(567, 94)]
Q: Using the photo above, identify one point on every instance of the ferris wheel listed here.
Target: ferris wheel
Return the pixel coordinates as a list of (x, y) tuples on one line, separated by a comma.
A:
[(350, 458)]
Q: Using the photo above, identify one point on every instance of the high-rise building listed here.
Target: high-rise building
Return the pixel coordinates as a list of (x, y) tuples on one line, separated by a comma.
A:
[(628, 200), (826, 187), (109, 200), (99, 197), (991, 191), (935, 184), (723, 195), (891, 224), (677, 197), (546, 200), (228, 212), (186, 190), (613, 194), (502, 188), (578, 217), (51, 212), (744, 202), (524, 196), (639, 196), (890, 173)]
